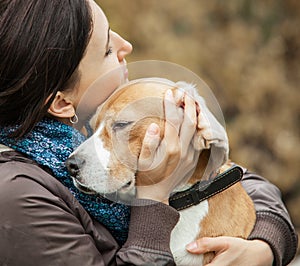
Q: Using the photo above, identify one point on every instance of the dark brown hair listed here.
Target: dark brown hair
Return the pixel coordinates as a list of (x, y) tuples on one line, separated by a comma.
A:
[(41, 45)]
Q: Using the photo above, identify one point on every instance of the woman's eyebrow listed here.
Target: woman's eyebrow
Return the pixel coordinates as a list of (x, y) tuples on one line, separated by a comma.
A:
[(108, 38)]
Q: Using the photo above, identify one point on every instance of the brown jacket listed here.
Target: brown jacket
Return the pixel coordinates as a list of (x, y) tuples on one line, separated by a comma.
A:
[(41, 223)]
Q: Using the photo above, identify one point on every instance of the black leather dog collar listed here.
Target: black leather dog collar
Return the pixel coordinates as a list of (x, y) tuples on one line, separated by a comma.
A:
[(206, 189)]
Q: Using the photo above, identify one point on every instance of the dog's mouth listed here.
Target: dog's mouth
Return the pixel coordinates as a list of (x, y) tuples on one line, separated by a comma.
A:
[(125, 194), (83, 188)]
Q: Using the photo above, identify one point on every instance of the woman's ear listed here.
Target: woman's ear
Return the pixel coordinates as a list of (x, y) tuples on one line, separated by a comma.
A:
[(61, 106)]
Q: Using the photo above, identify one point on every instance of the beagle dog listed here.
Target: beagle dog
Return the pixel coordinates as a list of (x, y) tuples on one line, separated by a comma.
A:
[(211, 203)]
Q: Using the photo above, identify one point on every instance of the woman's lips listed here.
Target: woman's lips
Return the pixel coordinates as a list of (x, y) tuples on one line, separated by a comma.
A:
[(125, 70), (126, 73)]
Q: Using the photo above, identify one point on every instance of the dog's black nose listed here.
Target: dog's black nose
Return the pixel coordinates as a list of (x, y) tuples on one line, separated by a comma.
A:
[(73, 164)]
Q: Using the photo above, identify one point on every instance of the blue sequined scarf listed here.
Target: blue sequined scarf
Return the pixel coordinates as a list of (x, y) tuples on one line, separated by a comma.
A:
[(49, 144)]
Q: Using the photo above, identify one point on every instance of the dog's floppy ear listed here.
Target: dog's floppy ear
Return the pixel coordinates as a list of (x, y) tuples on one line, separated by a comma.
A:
[(210, 134)]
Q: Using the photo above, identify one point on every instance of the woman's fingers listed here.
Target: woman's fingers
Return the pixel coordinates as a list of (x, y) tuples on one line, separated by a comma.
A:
[(165, 163), (172, 125), (233, 251), (204, 245), (189, 124), (150, 144)]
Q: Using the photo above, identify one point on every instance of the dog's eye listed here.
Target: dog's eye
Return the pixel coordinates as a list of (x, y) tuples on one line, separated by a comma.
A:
[(120, 125)]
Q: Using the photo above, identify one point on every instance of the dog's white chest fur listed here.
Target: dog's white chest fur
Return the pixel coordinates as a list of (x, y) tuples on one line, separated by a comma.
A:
[(185, 231)]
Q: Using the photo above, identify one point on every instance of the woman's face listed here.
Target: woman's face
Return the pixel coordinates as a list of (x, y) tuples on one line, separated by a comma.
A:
[(106, 51)]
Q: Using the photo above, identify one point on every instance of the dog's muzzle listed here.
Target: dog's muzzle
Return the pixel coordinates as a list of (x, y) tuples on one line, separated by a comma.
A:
[(123, 195)]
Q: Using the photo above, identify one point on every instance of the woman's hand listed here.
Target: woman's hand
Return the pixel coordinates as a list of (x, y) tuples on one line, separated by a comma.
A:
[(164, 164), (233, 251)]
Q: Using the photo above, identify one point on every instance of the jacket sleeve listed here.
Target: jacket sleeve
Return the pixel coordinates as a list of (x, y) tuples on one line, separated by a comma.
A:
[(39, 227), (149, 241), (273, 223)]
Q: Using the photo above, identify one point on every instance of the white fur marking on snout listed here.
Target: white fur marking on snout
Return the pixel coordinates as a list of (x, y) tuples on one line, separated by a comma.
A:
[(94, 173), (102, 154)]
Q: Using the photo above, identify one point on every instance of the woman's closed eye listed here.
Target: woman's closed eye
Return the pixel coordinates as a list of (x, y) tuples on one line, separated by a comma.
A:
[(108, 47), (109, 51)]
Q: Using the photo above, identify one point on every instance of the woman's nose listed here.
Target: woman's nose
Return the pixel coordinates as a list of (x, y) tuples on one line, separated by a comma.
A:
[(125, 48)]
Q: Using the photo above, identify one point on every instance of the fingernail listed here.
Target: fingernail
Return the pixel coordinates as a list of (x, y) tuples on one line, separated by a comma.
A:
[(181, 95), (192, 246), (153, 129), (169, 94)]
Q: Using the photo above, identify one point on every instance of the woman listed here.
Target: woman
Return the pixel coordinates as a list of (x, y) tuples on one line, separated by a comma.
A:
[(51, 52)]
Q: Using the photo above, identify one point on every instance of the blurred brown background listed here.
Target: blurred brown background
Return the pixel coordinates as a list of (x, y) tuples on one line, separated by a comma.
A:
[(248, 52)]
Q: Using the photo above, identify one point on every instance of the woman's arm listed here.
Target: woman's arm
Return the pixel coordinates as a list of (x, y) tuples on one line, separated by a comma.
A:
[(150, 228), (273, 224), (273, 239)]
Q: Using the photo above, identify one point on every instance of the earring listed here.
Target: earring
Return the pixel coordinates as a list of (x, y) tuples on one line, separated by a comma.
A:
[(74, 119)]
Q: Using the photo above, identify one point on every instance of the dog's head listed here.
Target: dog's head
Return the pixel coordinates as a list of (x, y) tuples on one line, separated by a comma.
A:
[(107, 162)]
